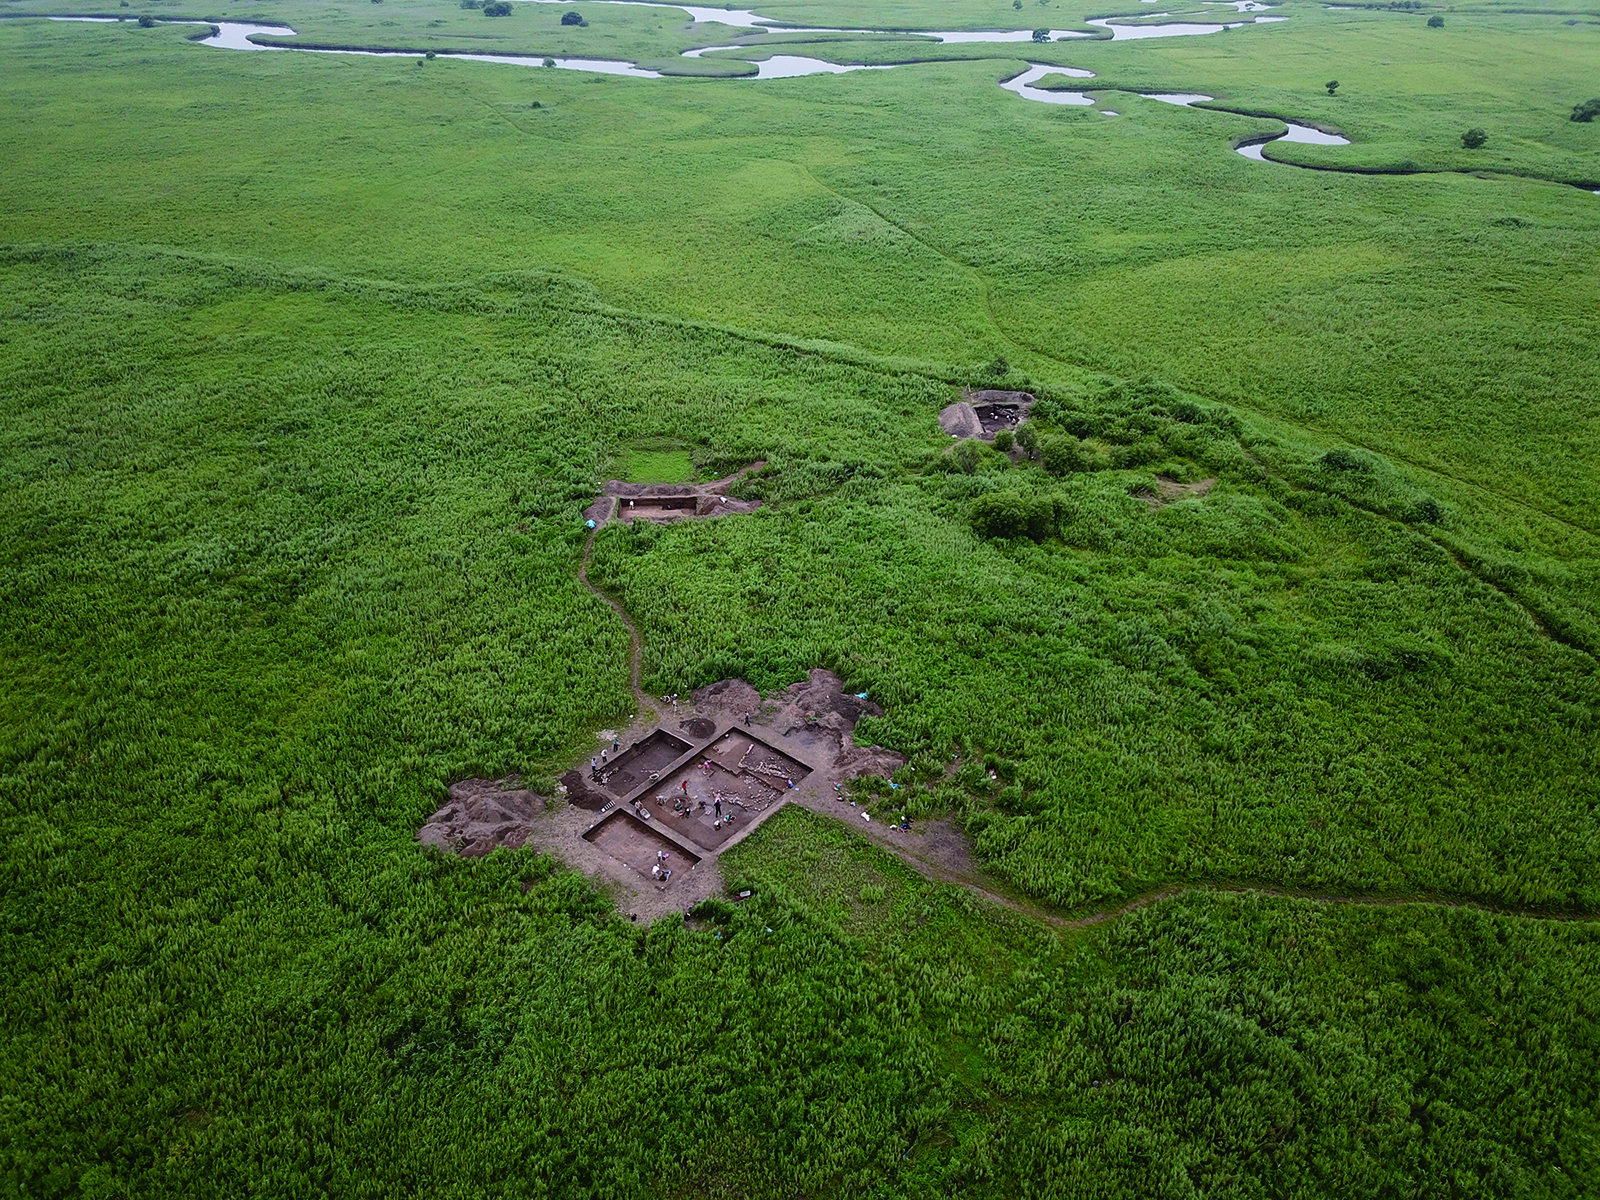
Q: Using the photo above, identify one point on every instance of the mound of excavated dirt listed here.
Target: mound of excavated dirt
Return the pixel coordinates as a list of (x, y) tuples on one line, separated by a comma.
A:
[(698, 728), (734, 697), (822, 696), (960, 420), (581, 793), (819, 708), (481, 815)]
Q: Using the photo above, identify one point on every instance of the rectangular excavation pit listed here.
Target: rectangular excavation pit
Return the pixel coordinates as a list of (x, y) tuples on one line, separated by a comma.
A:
[(656, 508), (632, 768), (633, 843), (737, 751), (993, 417), (746, 775)]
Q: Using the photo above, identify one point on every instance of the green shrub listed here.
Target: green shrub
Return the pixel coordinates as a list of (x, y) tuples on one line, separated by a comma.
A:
[(1028, 438), (1427, 511), (1473, 138), (1436, 22), (1009, 514), (573, 18), (1587, 111), (1004, 440), (1063, 454), (1341, 459)]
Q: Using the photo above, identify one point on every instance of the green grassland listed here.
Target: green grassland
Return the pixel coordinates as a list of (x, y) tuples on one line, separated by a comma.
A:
[(658, 461), (310, 364)]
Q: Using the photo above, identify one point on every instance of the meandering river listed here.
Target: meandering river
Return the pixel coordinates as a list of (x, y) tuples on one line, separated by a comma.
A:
[(239, 35)]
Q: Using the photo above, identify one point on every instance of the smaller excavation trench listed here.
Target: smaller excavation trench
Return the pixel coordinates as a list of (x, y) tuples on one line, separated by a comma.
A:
[(640, 762), (667, 502), (995, 417), (657, 508), (633, 843)]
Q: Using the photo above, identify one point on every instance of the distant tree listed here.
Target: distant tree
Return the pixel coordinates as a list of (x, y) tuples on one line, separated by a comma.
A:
[(1587, 111), (1436, 22), (1332, 85), (147, 22), (471, 3), (1473, 138), (497, 8), (1041, 35), (535, 104), (1004, 440), (1017, 4), (573, 18)]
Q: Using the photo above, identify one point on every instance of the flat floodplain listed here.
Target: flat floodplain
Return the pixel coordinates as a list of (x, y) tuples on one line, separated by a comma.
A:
[(1255, 684)]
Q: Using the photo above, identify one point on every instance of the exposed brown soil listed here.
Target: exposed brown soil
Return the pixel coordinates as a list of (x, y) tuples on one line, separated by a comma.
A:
[(635, 844), (698, 728), (582, 791), (730, 697), (983, 414), (800, 735), (818, 712), (480, 815), (1169, 490)]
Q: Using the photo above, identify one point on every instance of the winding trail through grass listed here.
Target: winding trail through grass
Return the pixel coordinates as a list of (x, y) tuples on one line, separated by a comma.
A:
[(635, 646), (993, 892)]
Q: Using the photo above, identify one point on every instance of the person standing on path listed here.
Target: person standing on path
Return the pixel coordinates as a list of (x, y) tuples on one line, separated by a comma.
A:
[(718, 806), (747, 720)]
